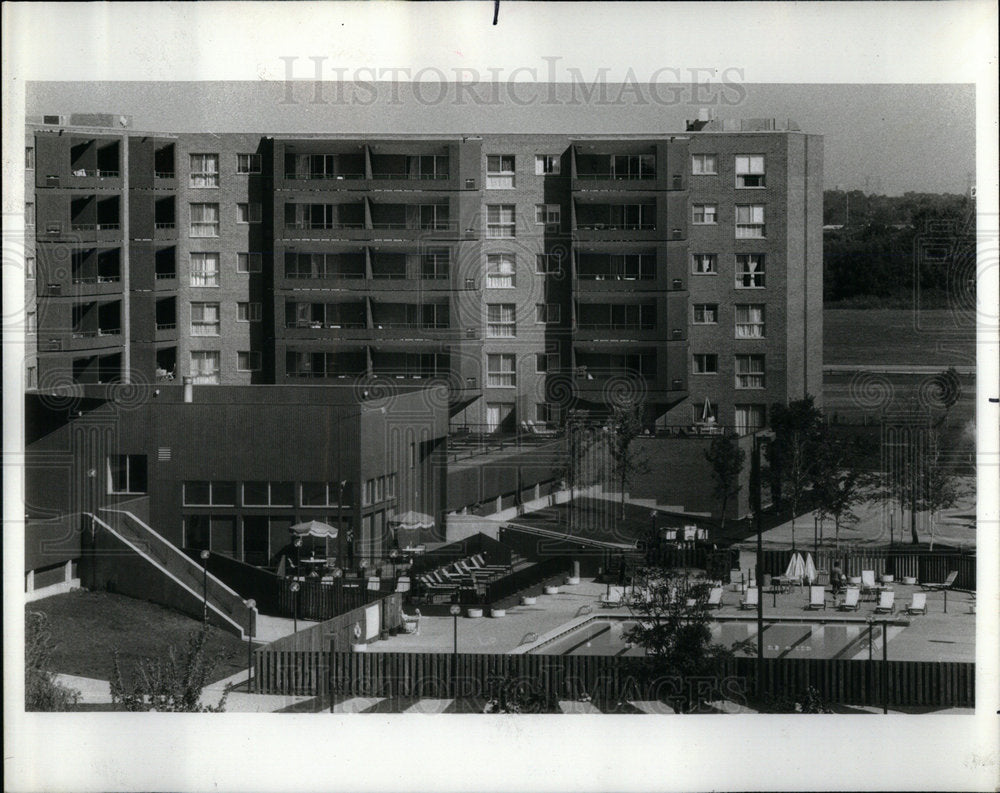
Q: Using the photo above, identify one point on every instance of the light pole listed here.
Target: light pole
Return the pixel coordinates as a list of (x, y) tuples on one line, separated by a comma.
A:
[(295, 606), (393, 555), (758, 501), (455, 611), (204, 588), (340, 513), (815, 535), (251, 605)]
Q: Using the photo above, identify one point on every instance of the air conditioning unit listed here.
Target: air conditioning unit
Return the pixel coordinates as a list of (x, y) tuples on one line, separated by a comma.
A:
[(53, 227), (677, 234), (678, 333), (677, 384), (53, 289), (470, 283), (52, 180), (678, 283), (471, 333), (470, 184)]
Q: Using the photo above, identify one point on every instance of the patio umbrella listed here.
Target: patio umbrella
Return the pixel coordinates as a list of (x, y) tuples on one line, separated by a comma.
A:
[(810, 568), (313, 528), (706, 410), (796, 567), (408, 526)]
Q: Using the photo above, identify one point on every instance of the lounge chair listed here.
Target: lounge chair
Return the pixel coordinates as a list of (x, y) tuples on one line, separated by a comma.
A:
[(852, 598), (948, 583), (613, 597), (886, 602), (919, 603), (750, 599), (480, 563), (715, 598), (868, 585), (374, 583), (817, 598)]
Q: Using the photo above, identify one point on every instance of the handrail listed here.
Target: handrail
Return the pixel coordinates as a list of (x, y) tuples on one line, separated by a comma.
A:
[(574, 538)]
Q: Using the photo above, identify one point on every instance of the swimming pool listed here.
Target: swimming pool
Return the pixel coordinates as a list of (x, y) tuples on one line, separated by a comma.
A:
[(831, 639)]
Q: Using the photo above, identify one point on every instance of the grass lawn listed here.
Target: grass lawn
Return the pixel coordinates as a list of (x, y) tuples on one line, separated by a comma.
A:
[(933, 337), (87, 626)]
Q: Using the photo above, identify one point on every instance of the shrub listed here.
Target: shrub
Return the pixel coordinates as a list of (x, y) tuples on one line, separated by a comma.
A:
[(171, 684), (41, 691)]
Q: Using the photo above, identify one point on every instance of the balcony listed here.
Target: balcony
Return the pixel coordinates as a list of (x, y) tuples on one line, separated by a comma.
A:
[(95, 163), (614, 171), (411, 171)]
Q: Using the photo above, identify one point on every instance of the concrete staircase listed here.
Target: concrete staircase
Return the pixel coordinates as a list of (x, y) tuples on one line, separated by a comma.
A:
[(153, 568)]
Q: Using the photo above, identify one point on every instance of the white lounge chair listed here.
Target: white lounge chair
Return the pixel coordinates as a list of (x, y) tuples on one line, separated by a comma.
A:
[(715, 598), (919, 603), (613, 597), (411, 624), (817, 597), (948, 583), (750, 599), (868, 585), (886, 602), (852, 598)]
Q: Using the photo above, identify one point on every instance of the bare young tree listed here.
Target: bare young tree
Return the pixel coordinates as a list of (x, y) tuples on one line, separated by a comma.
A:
[(626, 424), (798, 432), (726, 459)]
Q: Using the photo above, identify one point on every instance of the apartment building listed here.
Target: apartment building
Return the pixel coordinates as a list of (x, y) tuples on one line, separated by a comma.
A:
[(533, 274)]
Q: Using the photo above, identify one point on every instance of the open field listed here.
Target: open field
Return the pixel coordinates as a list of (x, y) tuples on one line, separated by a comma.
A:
[(87, 627), (894, 337)]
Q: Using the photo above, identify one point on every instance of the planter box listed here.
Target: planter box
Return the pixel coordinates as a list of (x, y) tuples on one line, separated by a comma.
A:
[(551, 590), (359, 648), (474, 613), (572, 580), (498, 612), (909, 580), (528, 601)]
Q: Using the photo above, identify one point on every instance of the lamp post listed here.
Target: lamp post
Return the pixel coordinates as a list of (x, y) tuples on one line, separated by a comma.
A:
[(251, 605), (455, 611), (297, 544), (815, 535), (295, 606), (758, 501), (393, 556), (204, 587), (340, 514)]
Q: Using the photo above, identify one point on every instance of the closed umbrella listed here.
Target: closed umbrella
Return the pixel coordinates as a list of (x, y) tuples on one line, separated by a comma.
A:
[(796, 568), (409, 526), (313, 528), (810, 568)]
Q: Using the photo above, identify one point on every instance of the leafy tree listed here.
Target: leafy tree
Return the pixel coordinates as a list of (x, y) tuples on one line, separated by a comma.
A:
[(726, 459), (840, 483), (172, 684), (41, 691), (798, 433), (581, 441), (626, 424), (672, 625)]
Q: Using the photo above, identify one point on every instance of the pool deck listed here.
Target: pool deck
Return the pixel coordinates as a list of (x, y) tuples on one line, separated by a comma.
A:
[(935, 636)]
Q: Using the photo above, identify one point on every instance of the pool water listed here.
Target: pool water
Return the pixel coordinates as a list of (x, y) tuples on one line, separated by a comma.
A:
[(781, 640)]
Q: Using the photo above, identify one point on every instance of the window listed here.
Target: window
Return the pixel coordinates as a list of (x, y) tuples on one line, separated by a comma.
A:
[(268, 494), (500, 221), (210, 494), (204, 269), (702, 164), (204, 170), (205, 319), (247, 361), (380, 489), (435, 264), (29, 266), (247, 163), (323, 494), (29, 214), (127, 473), (368, 492), (705, 313), (704, 363), (29, 158), (31, 377), (205, 367), (30, 322), (500, 171), (749, 170), (704, 214), (704, 411), (750, 418), (704, 263), (546, 164), (500, 271), (749, 221), (248, 213), (248, 312), (501, 370), (749, 371), (546, 313), (204, 220), (547, 214), (548, 263), (546, 412), (750, 321), (390, 486), (546, 362), (500, 320), (248, 262), (749, 270)]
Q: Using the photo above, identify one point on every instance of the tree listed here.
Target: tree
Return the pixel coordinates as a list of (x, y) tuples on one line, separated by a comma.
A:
[(581, 440), (172, 684), (726, 459), (941, 489), (798, 433), (626, 424), (839, 481), (41, 691), (672, 625)]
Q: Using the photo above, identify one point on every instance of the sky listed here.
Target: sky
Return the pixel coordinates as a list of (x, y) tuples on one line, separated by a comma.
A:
[(886, 139)]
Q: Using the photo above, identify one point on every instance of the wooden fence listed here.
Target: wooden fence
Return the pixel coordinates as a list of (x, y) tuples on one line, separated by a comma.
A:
[(609, 679)]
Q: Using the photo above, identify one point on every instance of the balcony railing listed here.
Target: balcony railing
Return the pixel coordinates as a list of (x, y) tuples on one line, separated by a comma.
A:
[(616, 325), (412, 325), (615, 226), (166, 325), (170, 225), (405, 374), (403, 176), (93, 334), (165, 276), (437, 225), (101, 174), (99, 279), (307, 226), (620, 177), (340, 374), (327, 176), (326, 274), (95, 226), (163, 174), (326, 325)]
